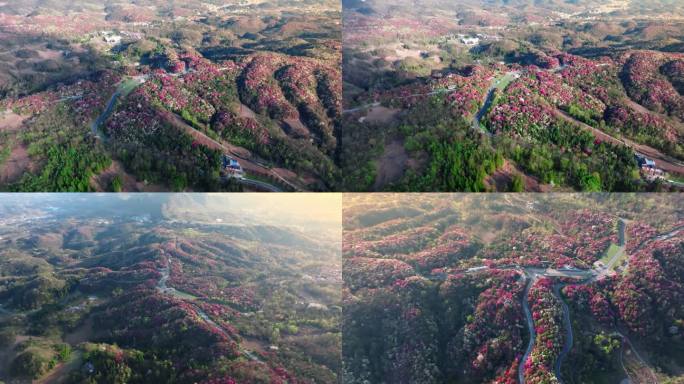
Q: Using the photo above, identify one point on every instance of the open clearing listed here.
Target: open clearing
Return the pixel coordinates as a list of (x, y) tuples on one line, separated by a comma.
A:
[(391, 165)]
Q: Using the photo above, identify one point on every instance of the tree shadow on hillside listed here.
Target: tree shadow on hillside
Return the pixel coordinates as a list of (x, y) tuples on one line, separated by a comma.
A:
[(34, 62)]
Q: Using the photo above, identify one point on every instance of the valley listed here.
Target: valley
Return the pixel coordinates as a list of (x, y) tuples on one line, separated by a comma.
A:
[(93, 292), (581, 96), (512, 288), (158, 96)]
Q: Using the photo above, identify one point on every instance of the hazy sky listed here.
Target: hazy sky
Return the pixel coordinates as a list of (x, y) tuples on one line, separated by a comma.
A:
[(275, 208), (323, 206)]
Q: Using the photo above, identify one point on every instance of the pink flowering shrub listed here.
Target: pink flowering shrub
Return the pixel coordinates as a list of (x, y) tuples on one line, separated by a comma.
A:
[(581, 239), (466, 92), (549, 340), (595, 298), (519, 111), (491, 335), (330, 89), (646, 128), (372, 272), (510, 376), (410, 239), (452, 245), (172, 94), (674, 71), (300, 84), (240, 129), (648, 288), (261, 89), (645, 84)]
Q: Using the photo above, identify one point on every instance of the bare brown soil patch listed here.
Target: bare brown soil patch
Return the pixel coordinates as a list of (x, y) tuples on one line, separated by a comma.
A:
[(10, 121), (381, 115), (391, 165), (103, 181), (501, 179), (16, 165)]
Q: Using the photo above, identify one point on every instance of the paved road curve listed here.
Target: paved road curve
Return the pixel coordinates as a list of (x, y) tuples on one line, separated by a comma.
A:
[(530, 328), (568, 332)]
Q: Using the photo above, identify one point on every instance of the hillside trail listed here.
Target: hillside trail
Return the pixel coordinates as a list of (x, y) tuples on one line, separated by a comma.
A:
[(162, 287)]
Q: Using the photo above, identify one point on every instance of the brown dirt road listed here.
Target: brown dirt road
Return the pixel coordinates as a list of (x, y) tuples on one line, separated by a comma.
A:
[(662, 160), (242, 154)]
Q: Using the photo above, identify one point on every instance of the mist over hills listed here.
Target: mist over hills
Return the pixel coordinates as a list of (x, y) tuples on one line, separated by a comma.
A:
[(188, 288), (307, 211)]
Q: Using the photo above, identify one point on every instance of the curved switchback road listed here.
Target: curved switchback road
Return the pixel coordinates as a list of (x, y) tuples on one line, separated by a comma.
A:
[(567, 346), (121, 88), (95, 128), (587, 277), (531, 274), (497, 83), (530, 328)]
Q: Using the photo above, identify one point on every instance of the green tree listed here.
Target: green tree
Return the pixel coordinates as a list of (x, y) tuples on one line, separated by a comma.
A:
[(63, 350), (517, 184), (7, 337), (591, 182), (117, 184)]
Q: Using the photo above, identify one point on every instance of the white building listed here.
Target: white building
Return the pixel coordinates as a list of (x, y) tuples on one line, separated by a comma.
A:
[(470, 40)]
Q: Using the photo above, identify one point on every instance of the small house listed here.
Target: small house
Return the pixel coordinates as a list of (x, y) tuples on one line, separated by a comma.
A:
[(471, 41)]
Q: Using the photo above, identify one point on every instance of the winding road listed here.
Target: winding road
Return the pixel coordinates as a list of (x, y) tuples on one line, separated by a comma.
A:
[(583, 277), (568, 333), (95, 126), (163, 287), (530, 328), (261, 185), (497, 83)]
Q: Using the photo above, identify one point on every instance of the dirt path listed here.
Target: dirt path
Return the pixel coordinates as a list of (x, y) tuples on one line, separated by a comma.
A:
[(61, 371), (248, 165), (662, 160)]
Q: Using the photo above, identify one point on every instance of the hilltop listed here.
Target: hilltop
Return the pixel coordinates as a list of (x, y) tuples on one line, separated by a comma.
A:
[(158, 96), (101, 294), (550, 96), (512, 288)]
